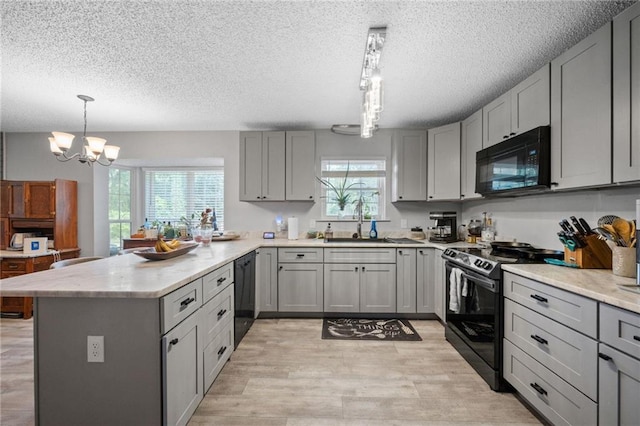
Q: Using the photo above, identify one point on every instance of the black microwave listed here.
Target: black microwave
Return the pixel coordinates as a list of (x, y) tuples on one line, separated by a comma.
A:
[(520, 164)]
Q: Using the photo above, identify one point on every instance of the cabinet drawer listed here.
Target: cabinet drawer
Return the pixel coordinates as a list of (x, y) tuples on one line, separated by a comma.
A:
[(620, 329), (179, 304), (572, 310), (558, 401), (216, 354), (217, 313), (569, 354), (302, 254), (14, 265), (214, 282), (360, 255)]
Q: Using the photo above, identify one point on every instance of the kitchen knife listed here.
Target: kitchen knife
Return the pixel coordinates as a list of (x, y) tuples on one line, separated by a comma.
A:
[(566, 226), (586, 226), (578, 226)]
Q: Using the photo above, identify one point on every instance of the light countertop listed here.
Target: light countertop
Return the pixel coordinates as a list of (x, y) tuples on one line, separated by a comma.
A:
[(597, 284), (134, 277), (19, 254)]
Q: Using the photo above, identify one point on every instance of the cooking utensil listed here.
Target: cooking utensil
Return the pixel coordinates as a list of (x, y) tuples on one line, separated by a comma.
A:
[(624, 229), (586, 226), (566, 226), (607, 220), (616, 237), (606, 234)]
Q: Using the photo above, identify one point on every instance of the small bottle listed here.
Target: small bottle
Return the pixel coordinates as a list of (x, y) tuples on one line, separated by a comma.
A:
[(328, 233), (373, 233), (169, 231), (147, 225)]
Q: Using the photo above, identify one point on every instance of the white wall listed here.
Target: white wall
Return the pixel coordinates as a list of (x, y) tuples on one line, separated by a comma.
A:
[(533, 218)]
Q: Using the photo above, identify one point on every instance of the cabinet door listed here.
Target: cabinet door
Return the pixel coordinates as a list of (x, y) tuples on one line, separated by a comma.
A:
[(439, 285), (425, 281), (378, 288), (5, 198), (250, 166), (16, 199), (531, 102), (619, 387), (300, 166), (40, 199), (182, 372), (626, 95), (409, 166), (342, 287), (406, 280), (267, 279), (444, 163), (273, 161), (470, 144), (496, 120), (300, 287), (581, 113)]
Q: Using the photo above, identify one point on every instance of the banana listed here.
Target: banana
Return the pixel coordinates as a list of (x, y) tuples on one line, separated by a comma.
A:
[(174, 244), (161, 246)]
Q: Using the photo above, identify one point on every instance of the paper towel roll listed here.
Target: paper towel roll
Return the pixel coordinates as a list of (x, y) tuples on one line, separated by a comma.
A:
[(293, 228)]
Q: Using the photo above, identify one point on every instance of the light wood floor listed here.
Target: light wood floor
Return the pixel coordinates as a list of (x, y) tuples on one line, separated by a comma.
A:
[(283, 373)]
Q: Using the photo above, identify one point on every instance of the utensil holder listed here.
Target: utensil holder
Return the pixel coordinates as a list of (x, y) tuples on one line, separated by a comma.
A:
[(595, 255), (624, 261)]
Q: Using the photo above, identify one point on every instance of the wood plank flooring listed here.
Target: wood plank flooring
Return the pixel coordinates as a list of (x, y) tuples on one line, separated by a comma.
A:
[(283, 373)]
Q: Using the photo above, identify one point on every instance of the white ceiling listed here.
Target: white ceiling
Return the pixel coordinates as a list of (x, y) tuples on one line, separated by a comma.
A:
[(236, 65)]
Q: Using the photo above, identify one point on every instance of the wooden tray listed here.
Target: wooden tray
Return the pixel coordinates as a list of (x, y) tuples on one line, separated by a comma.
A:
[(225, 237), (151, 254)]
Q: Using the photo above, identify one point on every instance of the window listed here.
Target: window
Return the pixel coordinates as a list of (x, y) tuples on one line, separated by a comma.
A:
[(366, 178), (173, 193), (119, 207)]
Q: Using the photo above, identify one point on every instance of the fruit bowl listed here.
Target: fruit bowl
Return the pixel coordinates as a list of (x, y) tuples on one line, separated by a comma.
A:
[(151, 253)]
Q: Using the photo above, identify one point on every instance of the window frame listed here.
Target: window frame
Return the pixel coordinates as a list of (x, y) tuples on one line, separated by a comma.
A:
[(133, 172)]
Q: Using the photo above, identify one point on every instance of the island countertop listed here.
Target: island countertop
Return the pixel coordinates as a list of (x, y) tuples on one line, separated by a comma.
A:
[(597, 284), (131, 276)]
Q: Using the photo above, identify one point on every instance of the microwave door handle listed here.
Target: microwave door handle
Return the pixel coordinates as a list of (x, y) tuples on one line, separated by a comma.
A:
[(490, 284)]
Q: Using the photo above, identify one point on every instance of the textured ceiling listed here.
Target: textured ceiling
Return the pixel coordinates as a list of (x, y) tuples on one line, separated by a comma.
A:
[(235, 65)]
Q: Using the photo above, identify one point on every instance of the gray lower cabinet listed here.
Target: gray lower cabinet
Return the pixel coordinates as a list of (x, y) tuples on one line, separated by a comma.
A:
[(182, 372), (267, 279), (300, 287), (217, 333), (425, 284), (350, 287), (406, 281), (619, 367), (439, 285)]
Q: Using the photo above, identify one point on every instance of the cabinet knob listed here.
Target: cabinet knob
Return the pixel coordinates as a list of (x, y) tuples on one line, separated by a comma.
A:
[(430, 196), (605, 356), (258, 197), (363, 269), (538, 388), (173, 342), (356, 269), (461, 195), (280, 268), (400, 252), (636, 338), (400, 197), (311, 197), (420, 251)]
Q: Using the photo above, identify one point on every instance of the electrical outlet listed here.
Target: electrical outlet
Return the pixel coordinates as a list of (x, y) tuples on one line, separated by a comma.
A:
[(95, 348), (312, 224), (403, 223)]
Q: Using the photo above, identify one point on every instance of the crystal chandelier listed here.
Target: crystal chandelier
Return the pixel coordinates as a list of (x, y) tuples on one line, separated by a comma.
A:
[(94, 149), (371, 82)]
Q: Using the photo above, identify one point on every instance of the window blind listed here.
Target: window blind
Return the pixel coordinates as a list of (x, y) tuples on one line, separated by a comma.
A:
[(173, 193)]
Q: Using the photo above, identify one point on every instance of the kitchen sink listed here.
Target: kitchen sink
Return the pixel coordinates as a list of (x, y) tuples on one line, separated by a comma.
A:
[(372, 241)]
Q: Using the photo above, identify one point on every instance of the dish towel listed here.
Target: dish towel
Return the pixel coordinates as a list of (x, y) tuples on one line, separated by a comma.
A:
[(455, 289)]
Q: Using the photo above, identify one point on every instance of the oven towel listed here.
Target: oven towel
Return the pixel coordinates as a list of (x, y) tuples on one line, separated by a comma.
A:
[(455, 289)]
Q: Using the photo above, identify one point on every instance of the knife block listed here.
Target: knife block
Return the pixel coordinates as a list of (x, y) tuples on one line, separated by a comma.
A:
[(595, 255)]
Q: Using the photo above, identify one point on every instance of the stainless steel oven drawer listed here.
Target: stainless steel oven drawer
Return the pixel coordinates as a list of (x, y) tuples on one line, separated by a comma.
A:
[(572, 310), (557, 400), (569, 354)]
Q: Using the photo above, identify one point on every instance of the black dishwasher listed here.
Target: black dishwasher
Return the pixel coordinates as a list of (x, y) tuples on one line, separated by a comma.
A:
[(245, 295)]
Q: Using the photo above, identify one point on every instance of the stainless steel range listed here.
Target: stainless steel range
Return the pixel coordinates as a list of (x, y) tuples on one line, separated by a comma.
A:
[(474, 311)]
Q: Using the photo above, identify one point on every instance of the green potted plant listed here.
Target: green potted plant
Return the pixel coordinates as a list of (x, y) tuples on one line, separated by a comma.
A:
[(341, 194)]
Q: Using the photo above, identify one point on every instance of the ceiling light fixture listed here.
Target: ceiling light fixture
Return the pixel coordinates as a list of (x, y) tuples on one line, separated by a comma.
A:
[(371, 82), (93, 150)]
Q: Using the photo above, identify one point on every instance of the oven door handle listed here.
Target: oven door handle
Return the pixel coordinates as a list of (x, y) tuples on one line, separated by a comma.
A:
[(490, 284)]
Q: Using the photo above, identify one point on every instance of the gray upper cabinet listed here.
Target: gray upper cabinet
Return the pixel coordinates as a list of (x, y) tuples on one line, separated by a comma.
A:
[(626, 95), (470, 144), (444, 163), (522, 108), (262, 166), (409, 166), (496, 117), (581, 113), (530, 102), (300, 165)]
